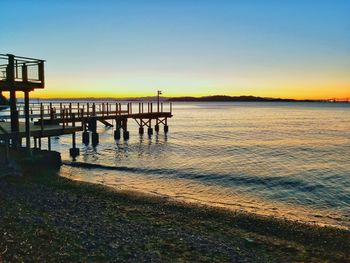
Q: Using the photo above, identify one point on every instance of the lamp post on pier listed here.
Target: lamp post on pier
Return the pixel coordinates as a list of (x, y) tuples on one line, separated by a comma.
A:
[(159, 92)]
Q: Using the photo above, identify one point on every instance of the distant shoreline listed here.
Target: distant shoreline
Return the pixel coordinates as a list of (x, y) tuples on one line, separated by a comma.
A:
[(216, 98)]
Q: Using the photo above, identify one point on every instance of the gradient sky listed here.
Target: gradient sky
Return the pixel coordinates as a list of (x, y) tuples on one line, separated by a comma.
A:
[(296, 48)]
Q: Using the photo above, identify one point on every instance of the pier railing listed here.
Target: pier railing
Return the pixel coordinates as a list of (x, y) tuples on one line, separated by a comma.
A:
[(21, 72), (65, 110)]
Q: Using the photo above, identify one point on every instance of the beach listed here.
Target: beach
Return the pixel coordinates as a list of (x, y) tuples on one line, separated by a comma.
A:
[(45, 217)]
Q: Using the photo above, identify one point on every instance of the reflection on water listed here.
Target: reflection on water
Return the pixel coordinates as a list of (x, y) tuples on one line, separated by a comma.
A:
[(284, 159)]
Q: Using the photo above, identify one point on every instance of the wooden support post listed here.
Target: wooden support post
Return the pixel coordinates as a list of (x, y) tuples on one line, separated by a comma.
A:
[(126, 134), (52, 112), (49, 143), (27, 124), (93, 109), (41, 117), (10, 77), (63, 117), (166, 127), (74, 151), (41, 73), (87, 109), (150, 130), (171, 107), (156, 127), (39, 139)]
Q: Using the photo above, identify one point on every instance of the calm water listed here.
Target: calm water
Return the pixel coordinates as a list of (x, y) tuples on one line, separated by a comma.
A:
[(283, 159)]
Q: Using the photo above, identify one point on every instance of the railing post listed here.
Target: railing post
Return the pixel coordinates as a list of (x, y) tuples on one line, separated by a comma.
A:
[(42, 116), (63, 117), (25, 73), (27, 124), (41, 73)]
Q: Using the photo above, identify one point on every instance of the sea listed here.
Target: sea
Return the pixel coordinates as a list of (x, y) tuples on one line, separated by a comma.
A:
[(280, 159)]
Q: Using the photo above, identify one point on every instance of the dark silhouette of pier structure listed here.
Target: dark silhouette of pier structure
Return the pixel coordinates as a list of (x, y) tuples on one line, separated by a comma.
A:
[(46, 120)]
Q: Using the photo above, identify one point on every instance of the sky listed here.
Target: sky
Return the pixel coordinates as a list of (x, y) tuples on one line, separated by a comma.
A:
[(289, 49)]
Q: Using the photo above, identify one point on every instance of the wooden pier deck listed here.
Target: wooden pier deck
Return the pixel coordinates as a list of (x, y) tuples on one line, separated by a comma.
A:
[(48, 130), (55, 119)]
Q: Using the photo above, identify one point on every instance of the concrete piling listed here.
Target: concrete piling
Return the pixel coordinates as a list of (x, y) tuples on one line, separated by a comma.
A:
[(117, 134), (86, 137), (141, 130), (126, 135), (94, 138)]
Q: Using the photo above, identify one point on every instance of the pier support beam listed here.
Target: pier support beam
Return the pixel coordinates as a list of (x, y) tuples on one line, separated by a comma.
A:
[(86, 137), (95, 138), (117, 134), (166, 127), (27, 121), (156, 127), (10, 74), (126, 135), (49, 143), (74, 151)]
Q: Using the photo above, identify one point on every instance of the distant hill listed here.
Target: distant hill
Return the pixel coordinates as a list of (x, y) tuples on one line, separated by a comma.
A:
[(228, 98), (184, 99)]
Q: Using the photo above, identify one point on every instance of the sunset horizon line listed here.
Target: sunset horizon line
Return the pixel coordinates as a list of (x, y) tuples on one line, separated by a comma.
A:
[(125, 97)]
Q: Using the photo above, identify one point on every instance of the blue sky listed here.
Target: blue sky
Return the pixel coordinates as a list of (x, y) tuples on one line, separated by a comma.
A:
[(115, 48)]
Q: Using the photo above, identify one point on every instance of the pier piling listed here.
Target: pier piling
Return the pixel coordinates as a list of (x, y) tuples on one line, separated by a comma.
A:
[(94, 138)]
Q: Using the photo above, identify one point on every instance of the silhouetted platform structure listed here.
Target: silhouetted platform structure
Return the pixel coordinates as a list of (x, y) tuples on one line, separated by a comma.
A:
[(54, 119)]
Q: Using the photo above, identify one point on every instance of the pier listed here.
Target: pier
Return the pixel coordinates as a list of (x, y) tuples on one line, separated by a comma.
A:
[(45, 120)]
